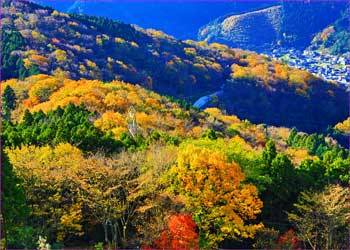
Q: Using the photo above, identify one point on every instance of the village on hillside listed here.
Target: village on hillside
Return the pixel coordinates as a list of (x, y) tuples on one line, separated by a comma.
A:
[(329, 67)]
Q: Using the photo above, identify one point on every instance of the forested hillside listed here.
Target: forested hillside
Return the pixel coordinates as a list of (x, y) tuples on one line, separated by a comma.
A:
[(180, 19), (42, 40), (114, 163), (256, 30), (102, 148), (302, 20), (287, 24), (335, 39)]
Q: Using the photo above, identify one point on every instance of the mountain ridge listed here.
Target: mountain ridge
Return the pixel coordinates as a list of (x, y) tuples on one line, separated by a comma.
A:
[(294, 24), (237, 31), (334, 39), (180, 19)]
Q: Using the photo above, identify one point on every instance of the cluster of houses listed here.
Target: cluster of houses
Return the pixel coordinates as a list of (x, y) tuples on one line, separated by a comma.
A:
[(329, 67)]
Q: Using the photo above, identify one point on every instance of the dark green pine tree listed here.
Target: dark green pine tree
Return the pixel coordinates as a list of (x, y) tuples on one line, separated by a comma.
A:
[(33, 70), (27, 118), (9, 98), (283, 188), (291, 136), (8, 102), (22, 71), (14, 209), (269, 153)]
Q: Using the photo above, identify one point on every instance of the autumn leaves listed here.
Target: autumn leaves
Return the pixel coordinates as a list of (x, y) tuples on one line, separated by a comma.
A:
[(220, 203), (69, 193)]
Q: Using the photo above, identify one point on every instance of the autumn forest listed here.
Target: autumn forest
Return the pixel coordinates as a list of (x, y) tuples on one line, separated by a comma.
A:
[(103, 148)]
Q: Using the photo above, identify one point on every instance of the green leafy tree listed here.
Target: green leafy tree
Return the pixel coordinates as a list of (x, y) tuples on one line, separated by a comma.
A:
[(312, 174), (12, 65), (212, 134), (269, 153), (283, 188)]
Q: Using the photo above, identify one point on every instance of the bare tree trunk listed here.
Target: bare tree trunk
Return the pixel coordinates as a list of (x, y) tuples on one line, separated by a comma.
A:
[(124, 231), (105, 229), (115, 236)]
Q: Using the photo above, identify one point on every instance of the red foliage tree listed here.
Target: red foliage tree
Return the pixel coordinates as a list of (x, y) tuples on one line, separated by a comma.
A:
[(288, 241), (181, 233)]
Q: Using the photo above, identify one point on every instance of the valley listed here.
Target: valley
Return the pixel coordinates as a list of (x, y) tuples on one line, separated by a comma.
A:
[(117, 135)]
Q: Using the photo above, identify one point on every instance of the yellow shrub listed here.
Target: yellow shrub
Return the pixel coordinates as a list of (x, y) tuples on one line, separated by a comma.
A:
[(190, 51), (61, 55)]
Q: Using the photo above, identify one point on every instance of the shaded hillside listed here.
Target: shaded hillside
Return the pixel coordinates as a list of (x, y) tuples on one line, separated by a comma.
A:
[(335, 39), (90, 47), (43, 40), (303, 20), (256, 30), (290, 24), (181, 19), (263, 90)]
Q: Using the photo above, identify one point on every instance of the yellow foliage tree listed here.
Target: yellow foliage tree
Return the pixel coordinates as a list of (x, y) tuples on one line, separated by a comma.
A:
[(91, 64), (37, 60), (110, 120), (117, 102), (239, 72), (99, 40), (82, 68), (45, 174), (344, 126), (61, 55), (218, 46), (65, 189), (119, 40), (43, 89), (220, 203), (261, 71), (27, 63), (281, 72), (190, 52), (134, 44), (38, 37), (299, 155)]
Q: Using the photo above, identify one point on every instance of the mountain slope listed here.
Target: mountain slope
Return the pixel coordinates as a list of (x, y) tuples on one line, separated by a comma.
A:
[(253, 30), (335, 39), (91, 47), (81, 145), (302, 20), (110, 103), (289, 24), (79, 46), (181, 19), (99, 162)]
